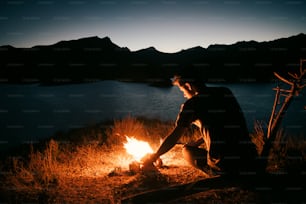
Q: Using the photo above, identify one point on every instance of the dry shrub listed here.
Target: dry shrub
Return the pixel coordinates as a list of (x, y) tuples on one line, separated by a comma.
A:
[(44, 165), (156, 127), (139, 128), (149, 130), (157, 130), (35, 173), (258, 136), (277, 153), (90, 160), (19, 177), (288, 153), (129, 126), (296, 155)]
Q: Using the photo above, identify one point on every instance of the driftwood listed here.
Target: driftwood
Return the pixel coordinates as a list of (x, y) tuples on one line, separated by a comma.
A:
[(296, 84), (274, 187), (177, 191)]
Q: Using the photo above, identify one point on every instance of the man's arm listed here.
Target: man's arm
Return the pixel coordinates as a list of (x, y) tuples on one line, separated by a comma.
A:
[(170, 141), (167, 144)]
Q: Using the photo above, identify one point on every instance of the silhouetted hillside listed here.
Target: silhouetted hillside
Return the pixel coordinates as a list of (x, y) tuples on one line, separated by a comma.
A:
[(93, 58)]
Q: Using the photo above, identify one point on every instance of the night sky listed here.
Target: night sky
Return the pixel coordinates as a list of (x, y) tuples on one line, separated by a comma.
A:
[(169, 26)]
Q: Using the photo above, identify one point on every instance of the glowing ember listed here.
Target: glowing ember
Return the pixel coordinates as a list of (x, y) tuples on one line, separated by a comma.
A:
[(138, 149)]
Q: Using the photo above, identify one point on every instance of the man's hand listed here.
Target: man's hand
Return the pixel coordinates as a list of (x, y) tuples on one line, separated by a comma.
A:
[(150, 162)]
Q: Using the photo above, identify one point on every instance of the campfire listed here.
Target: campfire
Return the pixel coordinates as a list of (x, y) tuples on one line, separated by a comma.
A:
[(138, 149)]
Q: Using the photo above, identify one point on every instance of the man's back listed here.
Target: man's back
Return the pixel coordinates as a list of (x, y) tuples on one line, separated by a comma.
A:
[(219, 112)]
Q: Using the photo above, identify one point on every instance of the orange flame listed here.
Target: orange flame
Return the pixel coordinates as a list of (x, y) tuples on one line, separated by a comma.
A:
[(137, 148)]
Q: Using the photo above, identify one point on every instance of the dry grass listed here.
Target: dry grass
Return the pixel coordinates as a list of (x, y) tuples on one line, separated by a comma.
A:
[(65, 168), (258, 136), (288, 154), (93, 167)]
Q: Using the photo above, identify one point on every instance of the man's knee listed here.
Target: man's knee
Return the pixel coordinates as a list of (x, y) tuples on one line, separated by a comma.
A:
[(188, 155), (193, 154), (188, 152)]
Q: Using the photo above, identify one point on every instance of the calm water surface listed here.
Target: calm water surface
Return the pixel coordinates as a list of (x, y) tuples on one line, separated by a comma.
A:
[(31, 112)]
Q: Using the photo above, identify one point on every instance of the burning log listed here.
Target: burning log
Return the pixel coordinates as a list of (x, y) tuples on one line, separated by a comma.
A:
[(137, 167), (134, 167)]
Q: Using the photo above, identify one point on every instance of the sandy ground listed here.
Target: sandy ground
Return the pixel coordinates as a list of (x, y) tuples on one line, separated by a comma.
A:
[(113, 184), (105, 183), (120, 185)]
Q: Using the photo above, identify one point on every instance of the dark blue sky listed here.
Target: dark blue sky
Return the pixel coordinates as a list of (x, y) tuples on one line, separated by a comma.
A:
[(167, 25)]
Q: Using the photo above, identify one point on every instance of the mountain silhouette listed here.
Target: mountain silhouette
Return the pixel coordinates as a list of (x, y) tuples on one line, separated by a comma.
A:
[(93, 58), (95, 43)]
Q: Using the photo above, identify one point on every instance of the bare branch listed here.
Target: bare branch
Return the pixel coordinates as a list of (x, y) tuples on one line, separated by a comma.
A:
[(285, 90), (301, 68), (293, 76), (283, 79), (277, 115)]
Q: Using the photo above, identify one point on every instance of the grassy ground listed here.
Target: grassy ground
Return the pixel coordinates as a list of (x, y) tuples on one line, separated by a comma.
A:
[(90, 165)]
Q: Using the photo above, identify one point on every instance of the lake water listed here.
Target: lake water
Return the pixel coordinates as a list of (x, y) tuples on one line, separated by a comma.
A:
[(32, 112)]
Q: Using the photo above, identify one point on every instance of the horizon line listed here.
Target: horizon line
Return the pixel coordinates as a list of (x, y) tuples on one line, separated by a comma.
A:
[(149, 47)]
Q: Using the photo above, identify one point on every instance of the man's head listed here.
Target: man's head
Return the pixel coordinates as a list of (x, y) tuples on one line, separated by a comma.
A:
[(184, 86), (189, 81)]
